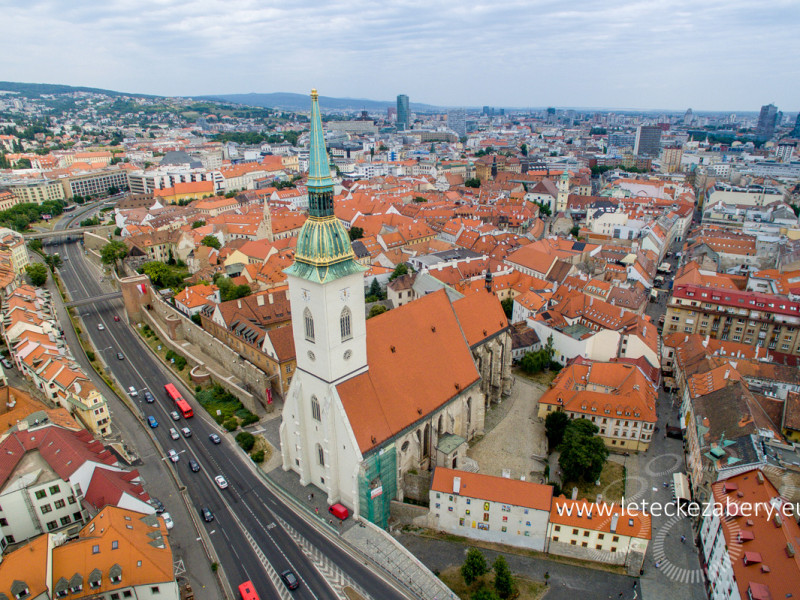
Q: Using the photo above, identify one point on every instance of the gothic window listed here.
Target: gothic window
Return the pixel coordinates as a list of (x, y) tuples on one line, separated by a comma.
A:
[(309, 325), (315, 408), (320, 456), (344, 324)]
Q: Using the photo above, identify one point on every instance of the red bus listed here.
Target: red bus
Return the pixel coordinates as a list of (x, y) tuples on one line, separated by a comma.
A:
[(181, 404), (248, 591)]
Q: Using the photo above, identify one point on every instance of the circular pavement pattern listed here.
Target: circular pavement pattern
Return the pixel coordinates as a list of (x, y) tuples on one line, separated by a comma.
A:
[(663, 464)]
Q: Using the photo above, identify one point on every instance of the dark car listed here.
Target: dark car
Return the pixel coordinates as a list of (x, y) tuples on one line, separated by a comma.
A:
[(290, 579), (157, 504), (149, 398), (207, 515), (193, 465), (214, 438), (120, 356)]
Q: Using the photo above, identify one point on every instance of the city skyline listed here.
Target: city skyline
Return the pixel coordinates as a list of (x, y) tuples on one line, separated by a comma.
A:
[(579, 57)]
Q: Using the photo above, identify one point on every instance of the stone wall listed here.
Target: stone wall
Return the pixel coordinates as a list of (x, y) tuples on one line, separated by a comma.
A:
[(417, 486), (407, 514)]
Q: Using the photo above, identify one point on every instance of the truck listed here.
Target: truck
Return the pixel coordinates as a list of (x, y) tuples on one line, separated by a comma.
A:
[(665, 267)]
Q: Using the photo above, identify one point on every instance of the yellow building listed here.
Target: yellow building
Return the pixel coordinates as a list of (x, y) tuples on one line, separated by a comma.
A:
[(37, 190), (13, 244)]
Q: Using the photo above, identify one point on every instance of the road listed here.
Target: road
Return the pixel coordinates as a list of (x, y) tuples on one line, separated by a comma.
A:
[(247, 513)]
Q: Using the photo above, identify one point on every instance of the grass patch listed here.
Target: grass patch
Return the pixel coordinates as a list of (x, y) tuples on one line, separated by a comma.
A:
[(262, 449), (544, 378), (225, 408), (612, 485), (352, 594), (526, 588)]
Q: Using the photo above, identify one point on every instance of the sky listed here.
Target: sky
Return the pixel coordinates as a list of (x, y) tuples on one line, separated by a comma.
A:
[(726, 55)]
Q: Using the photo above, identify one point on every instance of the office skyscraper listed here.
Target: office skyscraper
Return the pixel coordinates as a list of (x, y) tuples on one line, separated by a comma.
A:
[(766, 122), (457, 121), (796, 130), (648, 141), (403, 114)]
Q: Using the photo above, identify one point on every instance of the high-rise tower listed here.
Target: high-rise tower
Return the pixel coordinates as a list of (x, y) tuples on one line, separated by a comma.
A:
[(403, 113), (767, 119)]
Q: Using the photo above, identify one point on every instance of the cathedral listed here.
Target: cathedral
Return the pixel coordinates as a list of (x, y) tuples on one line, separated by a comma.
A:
[(372, 401)]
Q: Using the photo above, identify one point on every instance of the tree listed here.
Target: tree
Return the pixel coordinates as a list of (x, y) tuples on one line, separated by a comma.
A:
[(53, 261), (484, 594), (544, 208), (377, 309), (583, 453), (24, 163), (473, 182), (375, 290), (399, 271), (474, 566), (524, 149), (575, 231), (503, 581), (158, 272), (35, 245), (211, 241), (419, 199), (38, 274), (508, 306), (113, 252), (555, 424), (356, 233), (198, 224)]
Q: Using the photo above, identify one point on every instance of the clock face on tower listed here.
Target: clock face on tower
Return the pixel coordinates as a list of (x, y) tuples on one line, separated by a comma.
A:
[(306, 295), (344, 294)]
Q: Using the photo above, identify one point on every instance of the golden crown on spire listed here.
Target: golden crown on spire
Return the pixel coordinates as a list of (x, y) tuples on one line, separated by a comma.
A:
[(314, 94)]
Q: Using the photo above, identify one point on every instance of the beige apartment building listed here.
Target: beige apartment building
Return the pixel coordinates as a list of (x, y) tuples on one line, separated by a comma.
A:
[(751, 318)]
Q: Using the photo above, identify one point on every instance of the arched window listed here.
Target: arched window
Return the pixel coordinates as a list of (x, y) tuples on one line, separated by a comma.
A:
[(344, 324), (320, 455), (315, 408), (309, 325)]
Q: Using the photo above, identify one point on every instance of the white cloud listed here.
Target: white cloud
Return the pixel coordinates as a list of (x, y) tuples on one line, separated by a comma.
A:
[(734, 54)]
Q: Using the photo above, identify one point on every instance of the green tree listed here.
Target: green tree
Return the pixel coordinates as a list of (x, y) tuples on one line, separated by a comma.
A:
[(113, 252), (524, 149), (555, 424), (24, 163), (473, 182), (246, 440), (198, 224), (377, 309), (508, 306), (211, 241), (544, 208), (375, 292), (419, 199), (583, 453), (575, 231), (35, 245), (38, 274), (117, 231), (158, 272), (53, 261), (356, 233), (503, 581), (399, 271), (474, 566)]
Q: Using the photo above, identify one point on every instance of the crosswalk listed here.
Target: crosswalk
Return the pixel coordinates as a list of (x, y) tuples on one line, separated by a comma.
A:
[(271, 572), (332, 574)]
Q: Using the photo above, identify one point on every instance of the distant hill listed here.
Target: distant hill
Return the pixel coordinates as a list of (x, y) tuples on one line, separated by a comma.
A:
[(34, 90), (301, 102)]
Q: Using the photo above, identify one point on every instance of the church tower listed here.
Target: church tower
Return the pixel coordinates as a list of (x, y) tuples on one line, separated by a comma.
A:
[(326, 284), (265, 227), (326, 291), (563, 192)]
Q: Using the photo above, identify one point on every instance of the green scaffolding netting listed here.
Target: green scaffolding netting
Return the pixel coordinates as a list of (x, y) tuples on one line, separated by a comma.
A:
[(377, 485)]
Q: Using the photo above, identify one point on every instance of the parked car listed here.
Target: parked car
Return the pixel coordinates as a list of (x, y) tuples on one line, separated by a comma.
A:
[(173, 455), (221, 482), (149, 398), (187, 433), (157, 504), (194, 465), (7, 364), (175, 416), (132, 391), (207, 515), (151, 420), (173, 433), (214, 438), (290, 579), (339, 511), (167, 520)]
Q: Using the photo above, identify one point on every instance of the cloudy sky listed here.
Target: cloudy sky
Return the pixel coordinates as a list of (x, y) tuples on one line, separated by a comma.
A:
[(732, 55)]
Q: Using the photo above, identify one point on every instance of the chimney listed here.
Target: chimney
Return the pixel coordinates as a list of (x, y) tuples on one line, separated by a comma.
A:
[(705, 341), (727, 373), (614, 520)]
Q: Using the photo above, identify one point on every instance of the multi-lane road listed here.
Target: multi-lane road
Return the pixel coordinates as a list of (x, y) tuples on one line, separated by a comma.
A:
[(248, 530)]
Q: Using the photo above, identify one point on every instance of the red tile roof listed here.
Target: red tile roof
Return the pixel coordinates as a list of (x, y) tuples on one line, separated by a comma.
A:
[(493, 489)]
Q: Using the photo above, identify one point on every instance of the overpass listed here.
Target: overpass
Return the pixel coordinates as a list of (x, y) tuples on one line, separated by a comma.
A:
[(41, 235), (93, 299)]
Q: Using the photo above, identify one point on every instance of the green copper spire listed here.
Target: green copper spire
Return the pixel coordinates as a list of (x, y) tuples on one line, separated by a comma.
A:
[(323, 250)]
